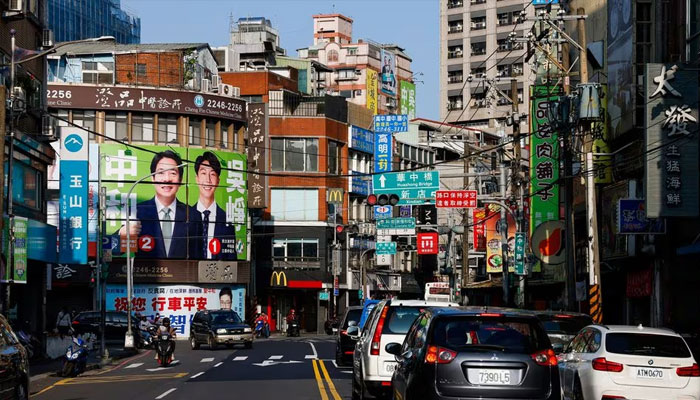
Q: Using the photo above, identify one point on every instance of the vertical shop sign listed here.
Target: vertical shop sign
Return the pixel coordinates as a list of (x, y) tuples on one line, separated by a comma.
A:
[(73, 205), (257, 143)]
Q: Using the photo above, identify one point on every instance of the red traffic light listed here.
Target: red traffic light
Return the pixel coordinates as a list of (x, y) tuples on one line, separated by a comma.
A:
[(372, 199), (339, 228)]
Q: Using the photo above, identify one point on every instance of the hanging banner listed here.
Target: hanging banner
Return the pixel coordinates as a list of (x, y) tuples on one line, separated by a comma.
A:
[(494, 249), (388, 73), (73, 203), (478, 215), (544, 160), (372, 89), (256, 153), (17, 274), (408, 99), (602, 165)]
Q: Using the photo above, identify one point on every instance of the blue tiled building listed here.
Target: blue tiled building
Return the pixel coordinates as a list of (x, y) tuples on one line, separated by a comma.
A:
[(82, 19)]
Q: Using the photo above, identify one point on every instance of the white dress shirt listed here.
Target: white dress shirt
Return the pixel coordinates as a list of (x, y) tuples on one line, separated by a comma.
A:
[(173, 209), (212, 222)]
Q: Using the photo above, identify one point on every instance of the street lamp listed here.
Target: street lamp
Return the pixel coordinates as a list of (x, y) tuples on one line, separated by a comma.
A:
[(10, 210), (129, 338)]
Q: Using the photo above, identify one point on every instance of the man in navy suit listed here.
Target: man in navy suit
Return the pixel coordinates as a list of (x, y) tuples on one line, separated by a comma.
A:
[(163, 218), (207, 219)]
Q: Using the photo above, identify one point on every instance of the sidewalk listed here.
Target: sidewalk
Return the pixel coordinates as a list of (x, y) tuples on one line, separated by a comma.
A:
[(41, 368)]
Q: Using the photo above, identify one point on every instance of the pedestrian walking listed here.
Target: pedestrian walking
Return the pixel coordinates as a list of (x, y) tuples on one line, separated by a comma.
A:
[(63, 322)]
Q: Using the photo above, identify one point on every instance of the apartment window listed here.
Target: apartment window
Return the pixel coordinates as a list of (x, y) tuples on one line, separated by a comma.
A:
[(478, 1), (86, 119), (454, 103), (455, 27), (294, 204), (115, 126), (478, 72), (332, 56), (334, 151), (210, 134), (142, 127), (517, 69), (224, 136), (454, 3), (294, 154), (478, 48), (644, 32), (141, 69), (454, 52), (478, 23), (505, 18), (195, 131), (503, 71), (454, 76), (347, 73), (507, 45), (352, 51), (98, 72), (167, 129), (478, 100), (295, 249)]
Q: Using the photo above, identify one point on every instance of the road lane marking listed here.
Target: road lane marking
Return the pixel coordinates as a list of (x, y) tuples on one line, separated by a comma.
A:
[(331, 386), (197, 375), (275, 357), (46, 389), (167, 392), (319, 381), (217, 364), (210, 359), (84, 380), (128, 360), (313, 349), (310, 357), (134, 365), (335, 363), (240, 358)]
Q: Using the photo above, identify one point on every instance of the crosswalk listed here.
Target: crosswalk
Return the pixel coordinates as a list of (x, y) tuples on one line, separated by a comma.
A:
[(255, 360)]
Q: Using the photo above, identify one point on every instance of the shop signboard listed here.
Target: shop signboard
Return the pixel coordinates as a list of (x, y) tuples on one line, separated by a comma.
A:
[(372, 90), (73, 196), (544, 160)]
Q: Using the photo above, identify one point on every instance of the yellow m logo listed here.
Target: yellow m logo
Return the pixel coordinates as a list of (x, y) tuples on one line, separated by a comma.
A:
[(335, 196), (278, 278)]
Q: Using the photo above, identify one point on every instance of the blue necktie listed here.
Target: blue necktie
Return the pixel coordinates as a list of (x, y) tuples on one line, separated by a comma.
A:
[(205, 231)]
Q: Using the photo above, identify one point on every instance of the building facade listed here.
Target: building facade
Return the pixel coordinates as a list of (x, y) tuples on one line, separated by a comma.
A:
[(478, 61), (83, 19), (143, 111)]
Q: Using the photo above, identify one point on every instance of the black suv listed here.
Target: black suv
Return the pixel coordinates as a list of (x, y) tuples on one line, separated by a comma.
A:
[(14, 365), (344, 343), (475, 353), (219, 327)]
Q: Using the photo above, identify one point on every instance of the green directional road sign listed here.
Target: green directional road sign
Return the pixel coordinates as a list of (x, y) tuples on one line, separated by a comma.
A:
[(386, 248), (412, 187), (396, 226), (520, 254)]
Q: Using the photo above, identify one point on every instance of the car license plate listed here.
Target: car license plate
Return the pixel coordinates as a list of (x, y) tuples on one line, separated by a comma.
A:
[(236, 337), (390, 367), (650, 373), (493, 377)]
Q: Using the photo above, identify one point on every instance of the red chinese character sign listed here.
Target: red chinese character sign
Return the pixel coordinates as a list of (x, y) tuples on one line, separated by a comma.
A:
[(177, 302), (455, 199), (427, 243)]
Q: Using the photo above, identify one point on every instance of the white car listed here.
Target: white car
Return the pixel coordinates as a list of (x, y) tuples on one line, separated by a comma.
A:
[(628, 362), (388, 322)]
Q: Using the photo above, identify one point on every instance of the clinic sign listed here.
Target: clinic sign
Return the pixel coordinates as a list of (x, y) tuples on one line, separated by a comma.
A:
[(73, 204)]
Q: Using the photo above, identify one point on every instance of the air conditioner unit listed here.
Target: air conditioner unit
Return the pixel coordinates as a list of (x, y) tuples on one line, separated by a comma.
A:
[(47, 38), (206, 85), (229, 90), (16, 6), (19, 102), (215, 82)]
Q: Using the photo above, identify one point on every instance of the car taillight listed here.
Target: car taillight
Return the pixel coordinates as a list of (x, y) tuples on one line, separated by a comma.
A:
[(343, 332), (374, 347), (439, 355), (693, 370), (601, 364), (76, 323), (545, 358), (491, 315)]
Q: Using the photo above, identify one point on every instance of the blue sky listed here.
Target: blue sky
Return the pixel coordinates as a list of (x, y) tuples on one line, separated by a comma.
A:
[(413, 24)]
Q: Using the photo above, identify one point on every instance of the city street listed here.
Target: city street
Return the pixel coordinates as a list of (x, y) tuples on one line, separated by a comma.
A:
[(295, 368)]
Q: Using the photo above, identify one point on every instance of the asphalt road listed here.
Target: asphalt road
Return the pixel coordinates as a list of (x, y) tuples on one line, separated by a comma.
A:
[(296, 368)]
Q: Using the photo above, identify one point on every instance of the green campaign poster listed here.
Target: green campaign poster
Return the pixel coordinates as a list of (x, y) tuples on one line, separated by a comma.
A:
[(408, 99)]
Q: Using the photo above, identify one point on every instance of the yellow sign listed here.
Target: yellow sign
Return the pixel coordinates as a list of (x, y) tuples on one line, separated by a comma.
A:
[(334, 195), (602, 165), (278, 278), (372, 88)]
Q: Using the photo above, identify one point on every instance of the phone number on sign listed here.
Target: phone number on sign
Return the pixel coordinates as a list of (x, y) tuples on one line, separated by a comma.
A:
[(224, 105)]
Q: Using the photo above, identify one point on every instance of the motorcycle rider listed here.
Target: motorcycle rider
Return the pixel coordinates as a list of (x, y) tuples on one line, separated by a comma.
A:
[(166, 328), (291, 317), (262, 317)]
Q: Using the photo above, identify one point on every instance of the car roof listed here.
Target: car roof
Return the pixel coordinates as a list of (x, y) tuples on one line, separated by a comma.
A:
[(475, 310), (637, 329), (420, 303)]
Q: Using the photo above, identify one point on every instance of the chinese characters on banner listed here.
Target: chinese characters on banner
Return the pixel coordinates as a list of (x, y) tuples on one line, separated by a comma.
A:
[(632, 219), (382, 152), (544, 160), (257, 143), (17, 274), (372, 90), (478, 215), (455, 198), (177, 302), (73, 203), (671, 141), (391, 123), (408, 99), (602, 165), (494, 250), (427, 243)]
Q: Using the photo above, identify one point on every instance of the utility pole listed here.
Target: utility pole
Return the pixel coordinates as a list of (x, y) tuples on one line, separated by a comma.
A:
[(504, 229), (465, 222), (10, 264), (515, 175)]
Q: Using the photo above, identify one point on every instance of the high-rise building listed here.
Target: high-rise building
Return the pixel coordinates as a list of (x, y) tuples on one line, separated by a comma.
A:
[(254, 45), (83, 19), (477, 60)]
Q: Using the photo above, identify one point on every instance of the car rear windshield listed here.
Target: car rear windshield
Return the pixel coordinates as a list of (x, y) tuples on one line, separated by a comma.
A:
[(399, 319), (507, 334), (646, 345), (225, 317), (353, 315), (568, 325)]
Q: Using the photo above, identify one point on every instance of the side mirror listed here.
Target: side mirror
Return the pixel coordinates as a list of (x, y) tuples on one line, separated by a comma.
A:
[(352, 323), (393, 348), (353, 331)]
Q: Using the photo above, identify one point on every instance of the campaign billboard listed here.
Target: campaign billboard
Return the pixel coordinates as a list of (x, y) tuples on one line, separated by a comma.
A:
[(388, 81), (194, 206), (408, 99), (177, 302)]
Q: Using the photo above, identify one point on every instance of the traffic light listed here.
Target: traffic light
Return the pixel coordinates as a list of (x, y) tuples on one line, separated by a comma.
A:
[(339, 229), (384, 199)]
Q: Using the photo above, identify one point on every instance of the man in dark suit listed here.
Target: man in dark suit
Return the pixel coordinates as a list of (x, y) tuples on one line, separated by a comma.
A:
[(207, 219), (163, 218)]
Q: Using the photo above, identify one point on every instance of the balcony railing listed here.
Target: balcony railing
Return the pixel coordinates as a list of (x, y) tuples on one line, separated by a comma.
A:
[(455, 29), (478, 2), (478, 26), (454, 106), (455, 54), (455, 79), (479, 52)]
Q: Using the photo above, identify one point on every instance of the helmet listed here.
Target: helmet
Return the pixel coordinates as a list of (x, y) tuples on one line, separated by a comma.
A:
[(166, 322), (291, 311)]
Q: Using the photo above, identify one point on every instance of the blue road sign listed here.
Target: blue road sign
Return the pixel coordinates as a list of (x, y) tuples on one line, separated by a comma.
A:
[(381, 212), (382, 152), (391, 123)]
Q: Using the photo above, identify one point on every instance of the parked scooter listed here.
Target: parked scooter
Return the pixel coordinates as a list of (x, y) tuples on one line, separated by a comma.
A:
[(165, 346), (293, 327), (76, 358)]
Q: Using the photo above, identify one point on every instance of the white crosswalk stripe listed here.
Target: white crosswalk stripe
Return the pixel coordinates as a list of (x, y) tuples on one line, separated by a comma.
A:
[(275, 357), (206, 360), (240, 358), (310, 356), (134, 365)]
